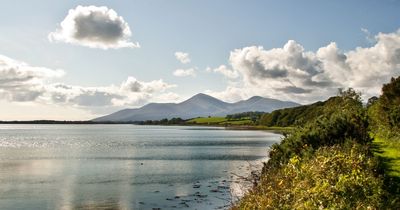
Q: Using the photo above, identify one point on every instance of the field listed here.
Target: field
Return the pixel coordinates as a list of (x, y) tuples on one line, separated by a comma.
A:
[(220, 121)]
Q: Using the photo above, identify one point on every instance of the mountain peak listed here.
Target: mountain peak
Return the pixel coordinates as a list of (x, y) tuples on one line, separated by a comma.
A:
[(201, 95), (255, 98), (202, 98), (198, 105)]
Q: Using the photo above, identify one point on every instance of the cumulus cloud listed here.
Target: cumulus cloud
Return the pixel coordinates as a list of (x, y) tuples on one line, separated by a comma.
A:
[(182, 57), (224, 70), (21, 82), (130, 92), (133, 85), (169, 97), (185, 72), (368, 35), (292, 73), (230, 94), (95, 27)]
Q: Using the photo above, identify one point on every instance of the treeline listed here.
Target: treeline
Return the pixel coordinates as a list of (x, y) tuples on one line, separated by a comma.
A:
[(253, 116), (328, 161), (384, 111), (293, 116), (165, 121)]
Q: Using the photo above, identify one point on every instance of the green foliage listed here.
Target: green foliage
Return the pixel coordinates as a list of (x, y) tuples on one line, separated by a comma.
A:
[(292, 116), (326, 164), (384, 116), (333, 178), (343, 118), (389, 104), (348, 100), (253, 116)]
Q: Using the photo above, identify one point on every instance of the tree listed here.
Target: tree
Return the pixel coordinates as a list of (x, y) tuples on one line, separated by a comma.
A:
[(390, 103)]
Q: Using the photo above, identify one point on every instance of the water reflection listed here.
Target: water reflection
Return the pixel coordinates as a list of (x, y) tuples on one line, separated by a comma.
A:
[(109, 167)]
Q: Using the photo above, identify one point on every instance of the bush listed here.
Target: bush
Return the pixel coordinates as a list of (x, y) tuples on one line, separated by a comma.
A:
[(343, 118), (334, 178)]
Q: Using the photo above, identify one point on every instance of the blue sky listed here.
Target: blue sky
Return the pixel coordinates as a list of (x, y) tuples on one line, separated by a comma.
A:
[(209, 32)]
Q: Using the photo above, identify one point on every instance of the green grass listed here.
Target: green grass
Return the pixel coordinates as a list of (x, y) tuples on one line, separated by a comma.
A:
[(207, 120), (389, 151), (244, 123)]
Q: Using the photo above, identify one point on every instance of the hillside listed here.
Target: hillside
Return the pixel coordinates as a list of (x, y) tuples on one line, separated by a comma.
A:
[(298, 115), (200, 105)]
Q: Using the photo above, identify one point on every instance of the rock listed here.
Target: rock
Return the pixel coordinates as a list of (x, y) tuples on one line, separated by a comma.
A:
[(184, 204)]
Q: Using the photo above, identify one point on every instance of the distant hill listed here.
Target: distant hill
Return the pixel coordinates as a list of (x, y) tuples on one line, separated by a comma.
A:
[(200, 105)]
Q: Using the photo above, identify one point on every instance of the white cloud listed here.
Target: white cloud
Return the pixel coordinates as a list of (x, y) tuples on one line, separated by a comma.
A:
[(230, 94), (182, 57), (167, 97), (291, 73), (95, 27), (224, 70), (185, 72), (368, 35), (131, 92), (133, 85), (20, 82)]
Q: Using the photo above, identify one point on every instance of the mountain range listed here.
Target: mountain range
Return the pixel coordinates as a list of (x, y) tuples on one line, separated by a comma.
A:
[(200, 105)]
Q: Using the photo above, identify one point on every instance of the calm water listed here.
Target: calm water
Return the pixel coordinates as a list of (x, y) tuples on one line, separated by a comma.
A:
[(124, 166)]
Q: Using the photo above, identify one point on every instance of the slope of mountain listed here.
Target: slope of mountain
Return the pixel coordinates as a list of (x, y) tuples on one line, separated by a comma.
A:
[(200, 105)]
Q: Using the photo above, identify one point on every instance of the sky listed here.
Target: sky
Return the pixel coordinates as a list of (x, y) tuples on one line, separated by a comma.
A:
[(77, 60)]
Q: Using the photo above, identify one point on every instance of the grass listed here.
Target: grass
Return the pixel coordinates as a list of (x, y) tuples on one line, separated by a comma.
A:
[(239, 124), (220, 121), (207, 120), (389, 152)]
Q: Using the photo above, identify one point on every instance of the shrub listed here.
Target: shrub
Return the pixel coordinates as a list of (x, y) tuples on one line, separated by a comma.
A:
[(334, 177), (343, 118)]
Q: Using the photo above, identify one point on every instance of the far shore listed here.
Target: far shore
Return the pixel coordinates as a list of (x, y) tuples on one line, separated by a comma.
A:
[(280, 130)]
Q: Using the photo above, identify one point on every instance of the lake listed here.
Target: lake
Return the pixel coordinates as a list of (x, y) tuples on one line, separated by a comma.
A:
[(126, 166)]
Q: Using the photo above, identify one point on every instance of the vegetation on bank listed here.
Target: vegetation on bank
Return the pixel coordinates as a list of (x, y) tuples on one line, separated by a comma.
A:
[(220, 121), (341, 155)]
